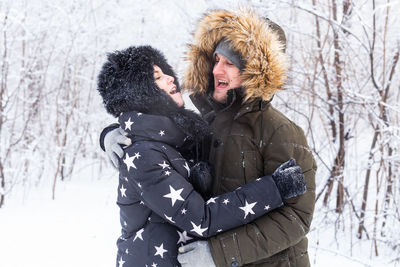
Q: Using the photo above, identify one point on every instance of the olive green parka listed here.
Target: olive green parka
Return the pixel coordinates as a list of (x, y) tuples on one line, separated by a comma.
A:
[(251, 138)]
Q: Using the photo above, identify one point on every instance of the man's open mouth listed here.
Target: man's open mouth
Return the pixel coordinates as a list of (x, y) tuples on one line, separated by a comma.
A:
[(222, 83)]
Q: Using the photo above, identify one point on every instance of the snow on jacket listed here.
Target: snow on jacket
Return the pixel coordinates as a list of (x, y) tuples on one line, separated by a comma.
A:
[(251, 138), (159, 210)]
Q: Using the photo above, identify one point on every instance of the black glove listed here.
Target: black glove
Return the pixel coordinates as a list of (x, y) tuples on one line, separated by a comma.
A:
[(289, 179), (201, 177)]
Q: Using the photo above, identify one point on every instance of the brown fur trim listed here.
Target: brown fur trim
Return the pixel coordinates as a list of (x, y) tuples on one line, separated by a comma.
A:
[(250, 35)]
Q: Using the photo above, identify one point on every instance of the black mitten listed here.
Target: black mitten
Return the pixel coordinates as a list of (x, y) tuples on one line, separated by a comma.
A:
[(289, 179), (201, 177)]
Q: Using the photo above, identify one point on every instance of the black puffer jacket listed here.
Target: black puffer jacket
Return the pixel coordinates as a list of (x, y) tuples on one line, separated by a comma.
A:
[(158, 207)]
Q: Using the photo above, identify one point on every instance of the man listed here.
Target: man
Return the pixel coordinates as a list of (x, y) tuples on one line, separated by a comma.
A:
[(250, 138)]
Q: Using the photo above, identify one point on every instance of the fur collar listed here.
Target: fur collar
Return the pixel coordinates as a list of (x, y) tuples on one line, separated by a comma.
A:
[(251, 36)]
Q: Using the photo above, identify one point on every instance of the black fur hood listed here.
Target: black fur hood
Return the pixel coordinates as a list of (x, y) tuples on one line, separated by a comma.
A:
[(126, 83)]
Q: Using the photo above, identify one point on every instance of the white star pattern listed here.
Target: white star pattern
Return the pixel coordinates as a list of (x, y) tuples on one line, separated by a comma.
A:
[(136, 156), (186, 166), (212, 200), (160, 250), (248, 208), (197, 229), (267, 207), (167, 173), (139, 234), (154, 265), (140, 186), (121, 262), (126, 251), (126, 179), (128, 124), (129, 162), (174, 195), (125, 224), (123, 190), (169, 218), (226, 201), (183, 211), (139, 114), (258, 179), (219, 230), (162, 133), (183, 237), (164, 165)]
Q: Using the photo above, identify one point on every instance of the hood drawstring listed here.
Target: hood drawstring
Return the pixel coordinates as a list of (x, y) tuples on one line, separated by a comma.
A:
[(262, 125)]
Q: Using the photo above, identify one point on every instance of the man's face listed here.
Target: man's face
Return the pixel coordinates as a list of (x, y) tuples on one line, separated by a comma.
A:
[(226, 77)]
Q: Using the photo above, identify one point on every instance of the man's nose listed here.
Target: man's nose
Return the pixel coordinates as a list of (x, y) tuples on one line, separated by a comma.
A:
[(218, 68), (170, 79)]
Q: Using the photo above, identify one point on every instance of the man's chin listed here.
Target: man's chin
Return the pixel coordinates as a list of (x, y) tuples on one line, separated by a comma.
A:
[(220, 96)]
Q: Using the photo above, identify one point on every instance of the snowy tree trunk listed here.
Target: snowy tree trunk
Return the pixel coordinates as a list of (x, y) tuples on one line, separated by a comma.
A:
[(345, 83), (3, 87)]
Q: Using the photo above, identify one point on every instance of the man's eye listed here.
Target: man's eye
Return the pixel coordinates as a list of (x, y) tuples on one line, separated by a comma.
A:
[(157, 78)]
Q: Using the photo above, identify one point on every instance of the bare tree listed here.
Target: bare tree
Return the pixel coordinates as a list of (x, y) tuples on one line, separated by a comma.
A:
[(47, 94), (345, 70), (383, 88)]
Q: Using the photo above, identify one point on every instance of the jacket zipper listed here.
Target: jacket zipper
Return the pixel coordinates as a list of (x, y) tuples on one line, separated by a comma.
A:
[(244, 168)]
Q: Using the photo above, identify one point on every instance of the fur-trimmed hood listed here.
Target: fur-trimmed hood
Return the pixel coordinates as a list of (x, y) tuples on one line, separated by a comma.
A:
[(254, 37)]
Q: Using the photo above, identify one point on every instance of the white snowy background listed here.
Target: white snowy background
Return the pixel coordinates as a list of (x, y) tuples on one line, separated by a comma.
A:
[(58, 190)]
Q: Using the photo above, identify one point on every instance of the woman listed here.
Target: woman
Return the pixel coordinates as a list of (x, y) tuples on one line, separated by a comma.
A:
[(159, 208)]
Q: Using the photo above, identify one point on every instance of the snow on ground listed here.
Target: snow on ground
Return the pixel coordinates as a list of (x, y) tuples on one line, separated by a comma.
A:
[(80, 227)]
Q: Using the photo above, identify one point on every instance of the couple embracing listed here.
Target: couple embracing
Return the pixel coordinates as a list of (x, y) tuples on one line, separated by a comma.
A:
[(232, 187)]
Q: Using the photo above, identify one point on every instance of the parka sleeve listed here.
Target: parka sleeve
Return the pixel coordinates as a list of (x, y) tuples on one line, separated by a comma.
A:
[(263, 239), (167, 193)]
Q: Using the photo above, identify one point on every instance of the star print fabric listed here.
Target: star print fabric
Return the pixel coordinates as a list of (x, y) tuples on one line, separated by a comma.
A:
[(159, 209)]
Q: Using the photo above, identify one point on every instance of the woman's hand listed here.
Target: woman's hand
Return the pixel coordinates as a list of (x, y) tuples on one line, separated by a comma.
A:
[(289, 179)]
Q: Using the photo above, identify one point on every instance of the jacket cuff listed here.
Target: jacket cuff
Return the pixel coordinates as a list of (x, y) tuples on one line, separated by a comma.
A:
[(226, 245), (105, 132)]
